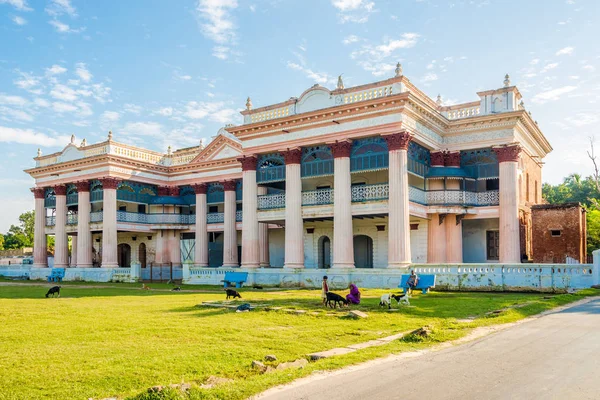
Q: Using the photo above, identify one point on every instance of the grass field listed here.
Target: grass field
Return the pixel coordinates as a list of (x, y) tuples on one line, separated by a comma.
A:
[(118, 340)]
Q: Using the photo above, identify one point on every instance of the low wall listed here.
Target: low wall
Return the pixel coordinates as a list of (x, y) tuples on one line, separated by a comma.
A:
[(483, 277), (74, 274)]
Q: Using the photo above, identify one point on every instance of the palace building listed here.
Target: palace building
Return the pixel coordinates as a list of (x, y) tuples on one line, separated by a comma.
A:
[(373, 176)]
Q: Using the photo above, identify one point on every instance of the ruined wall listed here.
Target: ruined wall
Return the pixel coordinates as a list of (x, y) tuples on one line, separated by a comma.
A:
[(558, 231)]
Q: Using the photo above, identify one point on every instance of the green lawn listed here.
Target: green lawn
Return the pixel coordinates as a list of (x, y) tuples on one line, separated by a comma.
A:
[(117, 340)]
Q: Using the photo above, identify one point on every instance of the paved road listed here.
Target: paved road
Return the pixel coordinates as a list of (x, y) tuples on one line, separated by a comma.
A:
[(556, 356)]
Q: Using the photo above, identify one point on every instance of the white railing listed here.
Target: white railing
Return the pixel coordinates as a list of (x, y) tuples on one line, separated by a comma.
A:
[(183, 159), (464, 112), (139, 218), (71, 219), (317, 197), (269, 201), (238, 216), (272, 114), (368, 94), (50, 220), (96, 216), (47, 161), (417, 195), (445, 197), (379, 191), (488, 198), (215, 218)]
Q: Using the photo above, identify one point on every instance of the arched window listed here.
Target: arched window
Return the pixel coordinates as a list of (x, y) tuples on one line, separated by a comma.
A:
[(316, 161), (270, 168)]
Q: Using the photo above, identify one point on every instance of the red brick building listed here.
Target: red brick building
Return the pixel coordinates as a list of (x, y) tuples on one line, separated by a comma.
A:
[(558, 232)]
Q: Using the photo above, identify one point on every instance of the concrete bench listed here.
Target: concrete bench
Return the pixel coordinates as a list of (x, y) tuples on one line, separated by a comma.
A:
[(56, 275), (424, 282), (237, 278)]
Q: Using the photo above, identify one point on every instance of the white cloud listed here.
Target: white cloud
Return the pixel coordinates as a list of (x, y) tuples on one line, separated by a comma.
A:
[(20, 5), (217, 24), (381, 59), (350, 39), (213, 111), (582, 119), (589, 67), (110, 116), (565, 51), (62, 92), (82, 72), (29, 136), (143, 128), (377, 69), (29, 82), (552, 94), (132, 108), (55, 70), (12, 100), (13, 114), (61, 107), (318, 77), (357, 11), (429, 77), (165, 111), (548, 67), (61, 27), (19, 20), (60, 7), (41, 102)]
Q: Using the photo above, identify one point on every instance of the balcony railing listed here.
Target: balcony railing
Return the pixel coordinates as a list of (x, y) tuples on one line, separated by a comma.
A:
[(96, 216), (238, 216), (215, 218), (317, 197), (380, 191), (50, 221), (71, 219)]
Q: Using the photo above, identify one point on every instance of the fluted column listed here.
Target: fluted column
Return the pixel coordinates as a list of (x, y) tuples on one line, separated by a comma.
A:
[(73, 251), (109, 222), (398, 206), (250, 246), (40, 251), (510, 249), (161, 254), (61, 242), (263, 237), (343, 238), (83, 249), (174, 245), (201, 246), (294, 232), (230, 251), (454, 250)]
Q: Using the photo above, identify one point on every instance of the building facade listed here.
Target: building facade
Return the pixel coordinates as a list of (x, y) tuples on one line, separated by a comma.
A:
[(373, 176)]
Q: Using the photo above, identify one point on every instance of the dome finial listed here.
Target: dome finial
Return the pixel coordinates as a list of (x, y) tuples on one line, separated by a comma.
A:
[(438, 101), (398, 69), (39, 152), (109, 135), (248, 104), (72, 139), (506, 80), (169, 151)]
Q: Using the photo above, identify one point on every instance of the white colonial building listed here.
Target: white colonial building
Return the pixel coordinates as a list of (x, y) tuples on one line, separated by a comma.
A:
[(374, 176)]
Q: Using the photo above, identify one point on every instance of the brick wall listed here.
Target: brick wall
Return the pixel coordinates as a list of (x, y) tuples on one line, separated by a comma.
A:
[(567, 223)]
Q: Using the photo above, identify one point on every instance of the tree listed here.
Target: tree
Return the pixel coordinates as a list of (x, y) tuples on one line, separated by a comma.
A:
[(1, 242), (21, 235)]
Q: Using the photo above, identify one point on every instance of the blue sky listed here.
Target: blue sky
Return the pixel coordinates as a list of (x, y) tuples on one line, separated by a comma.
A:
[(160, 73)]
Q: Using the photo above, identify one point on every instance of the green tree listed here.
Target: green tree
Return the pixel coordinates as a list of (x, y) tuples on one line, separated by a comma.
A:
[(21, 235), (593, 230), (1, 242)]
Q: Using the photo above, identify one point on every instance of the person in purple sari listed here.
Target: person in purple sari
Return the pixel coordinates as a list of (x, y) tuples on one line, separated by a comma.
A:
[(354, 296)]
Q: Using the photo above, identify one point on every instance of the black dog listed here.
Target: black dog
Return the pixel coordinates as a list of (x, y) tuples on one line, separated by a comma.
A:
[(232, 293), (333, 299), (53, 290), (176, 289), (255, 286)]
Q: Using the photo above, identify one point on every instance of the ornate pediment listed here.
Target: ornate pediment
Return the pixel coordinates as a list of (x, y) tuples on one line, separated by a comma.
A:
[(220, 148)]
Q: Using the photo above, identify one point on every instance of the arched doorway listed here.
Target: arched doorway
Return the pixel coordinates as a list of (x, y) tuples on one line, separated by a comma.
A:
[(142, 254), (363, 251), (324, 252), (124, 255)]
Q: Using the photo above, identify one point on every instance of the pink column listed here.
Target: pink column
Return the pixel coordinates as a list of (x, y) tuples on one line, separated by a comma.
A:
[(109, 222), (436, 239), (294, 231), (510, 249), (83, 250), (40, 252), (174, 246), (201, 246), (454, 248), (61, 244), (230, 250), (398, 207), (343, 238), (161, 256), (263, 237), (73, 251), (250, 246)]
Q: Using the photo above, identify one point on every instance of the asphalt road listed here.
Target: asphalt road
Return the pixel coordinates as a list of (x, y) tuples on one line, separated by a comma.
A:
[(556, 356)]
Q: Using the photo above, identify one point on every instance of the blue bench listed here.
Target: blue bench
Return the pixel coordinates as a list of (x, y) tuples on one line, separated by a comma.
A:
[(56, 275), (237, 278), (424, 283)]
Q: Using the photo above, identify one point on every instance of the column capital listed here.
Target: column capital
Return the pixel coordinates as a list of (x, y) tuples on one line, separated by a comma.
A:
[(109, 183), (398, 141), (60, 190), (341, 149), (229, 186), (452, 159), (38, 193), (199, 188), (163, 191), (82, 186), (292, 156), (508, 153), (437, 158), (248, 162), (173, 191)]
